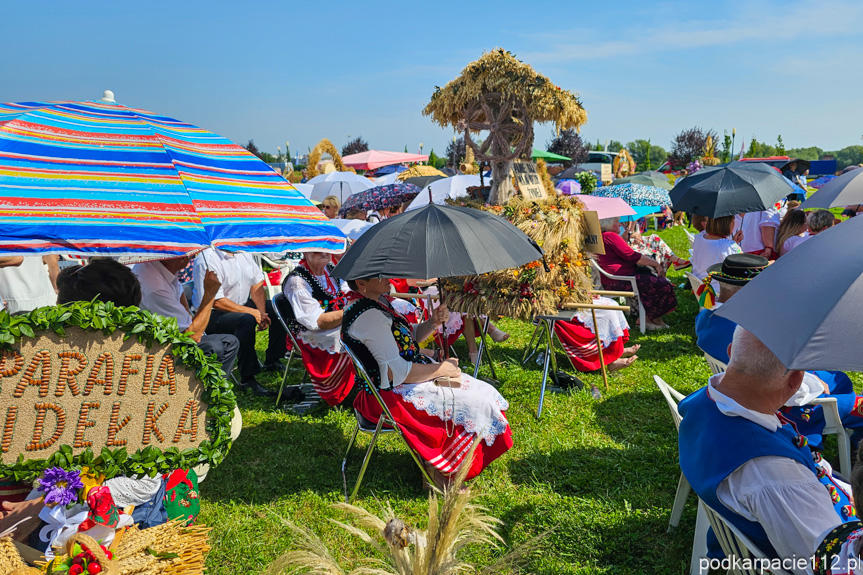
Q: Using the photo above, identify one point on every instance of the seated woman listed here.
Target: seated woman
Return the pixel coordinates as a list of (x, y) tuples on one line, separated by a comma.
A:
[(656, 292), (578, 338), (841, 549), (713, 245), (652, 246), (440, 410), (317, 301), (792, 232)]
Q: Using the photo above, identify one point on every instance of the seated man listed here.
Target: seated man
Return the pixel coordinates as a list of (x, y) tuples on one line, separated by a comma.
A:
[(162, 293), (241, 307), (750, 465), (317, 301)]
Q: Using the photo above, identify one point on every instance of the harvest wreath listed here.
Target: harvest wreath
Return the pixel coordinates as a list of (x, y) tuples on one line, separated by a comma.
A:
[(150, 415)]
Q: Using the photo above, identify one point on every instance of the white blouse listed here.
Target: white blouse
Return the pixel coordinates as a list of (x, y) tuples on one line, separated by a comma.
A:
[(706, 253), (307, 310)]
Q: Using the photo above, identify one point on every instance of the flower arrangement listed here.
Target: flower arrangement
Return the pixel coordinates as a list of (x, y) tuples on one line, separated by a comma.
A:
[(693, 167), (60, 486), (538, 287)]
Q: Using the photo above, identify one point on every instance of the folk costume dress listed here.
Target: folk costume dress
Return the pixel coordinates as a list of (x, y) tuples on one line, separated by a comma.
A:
[(578, 336), (330, 369), (439, 423)]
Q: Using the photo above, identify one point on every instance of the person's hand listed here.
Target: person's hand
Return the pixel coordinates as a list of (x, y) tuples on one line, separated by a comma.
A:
[(439, 315), (449, 368), (265, 320), (12, 513), (738, 237), (212, 283)]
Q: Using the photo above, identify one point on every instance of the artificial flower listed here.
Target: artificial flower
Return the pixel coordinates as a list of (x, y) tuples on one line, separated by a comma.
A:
[(60, 486)]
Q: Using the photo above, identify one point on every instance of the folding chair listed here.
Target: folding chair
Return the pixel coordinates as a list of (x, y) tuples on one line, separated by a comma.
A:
[(694, 284), (285, 313), (689, 236), (735, 544), (714, 364), (642, 315), (673, 397), (385, 424)]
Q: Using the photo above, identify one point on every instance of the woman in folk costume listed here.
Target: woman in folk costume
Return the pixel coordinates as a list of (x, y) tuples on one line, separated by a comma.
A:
[(578, 338), (440, 410), (317, 301)]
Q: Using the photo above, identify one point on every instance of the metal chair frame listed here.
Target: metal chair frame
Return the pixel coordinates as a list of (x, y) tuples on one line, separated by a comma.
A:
[(386, 419), (642, 314), (294, 346)]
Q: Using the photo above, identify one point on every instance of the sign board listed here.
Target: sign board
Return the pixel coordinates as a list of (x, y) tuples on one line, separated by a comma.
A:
[(85, 390), (527, 180), (593, 233), (605, 173)]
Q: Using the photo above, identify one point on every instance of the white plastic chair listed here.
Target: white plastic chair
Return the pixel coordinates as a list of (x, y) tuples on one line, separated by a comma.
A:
[(714, 364), (735, 544), (673, 397), (833, 424), (642, 315), (694, 284), (689, 236)]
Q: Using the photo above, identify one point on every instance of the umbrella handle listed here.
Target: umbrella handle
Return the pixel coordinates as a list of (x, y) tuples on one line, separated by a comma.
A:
[(444, 346)]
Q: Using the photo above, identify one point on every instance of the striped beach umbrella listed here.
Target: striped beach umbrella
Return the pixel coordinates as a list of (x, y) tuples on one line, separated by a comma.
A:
[(98, 178)]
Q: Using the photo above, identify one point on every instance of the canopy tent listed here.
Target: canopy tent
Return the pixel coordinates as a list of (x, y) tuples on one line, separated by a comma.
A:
[(548, 156), (374, 159)]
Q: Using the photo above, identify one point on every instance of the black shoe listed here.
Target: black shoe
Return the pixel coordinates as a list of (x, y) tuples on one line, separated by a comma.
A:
[(275, 366), (293, 394), (256, 388)]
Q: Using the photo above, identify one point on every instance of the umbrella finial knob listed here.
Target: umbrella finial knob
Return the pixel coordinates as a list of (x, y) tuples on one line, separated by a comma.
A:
[(108, 96)]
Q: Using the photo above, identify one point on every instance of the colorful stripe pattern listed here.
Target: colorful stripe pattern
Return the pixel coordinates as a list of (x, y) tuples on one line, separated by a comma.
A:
[(98, 178)]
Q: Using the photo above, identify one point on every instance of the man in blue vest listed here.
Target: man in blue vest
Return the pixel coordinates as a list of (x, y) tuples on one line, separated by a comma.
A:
[(749, 464)]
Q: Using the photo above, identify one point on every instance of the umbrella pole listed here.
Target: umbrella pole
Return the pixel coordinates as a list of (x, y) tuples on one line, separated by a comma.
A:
[(444, 346), (599, 349)]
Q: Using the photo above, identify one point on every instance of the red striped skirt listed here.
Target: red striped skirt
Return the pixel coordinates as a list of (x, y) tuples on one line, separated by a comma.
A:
[(331, 374), (579, 343), (428, 435)]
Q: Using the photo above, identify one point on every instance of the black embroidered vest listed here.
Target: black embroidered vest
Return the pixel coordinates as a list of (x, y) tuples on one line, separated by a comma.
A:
[(409, 349)]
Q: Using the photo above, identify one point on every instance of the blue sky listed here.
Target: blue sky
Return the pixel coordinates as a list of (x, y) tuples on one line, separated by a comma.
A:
[(301, 71)]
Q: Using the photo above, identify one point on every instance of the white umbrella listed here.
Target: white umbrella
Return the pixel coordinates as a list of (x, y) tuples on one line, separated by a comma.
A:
[(352, 228), (444, 189), (339, 184), (305, 189), (387, 179)]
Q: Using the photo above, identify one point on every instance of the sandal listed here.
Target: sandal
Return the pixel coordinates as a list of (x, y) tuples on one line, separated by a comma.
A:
[(681, 265)]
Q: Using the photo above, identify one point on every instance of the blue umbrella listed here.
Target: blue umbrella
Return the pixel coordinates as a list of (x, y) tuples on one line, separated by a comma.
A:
[(818, 182), (635, 194), (640, 212)]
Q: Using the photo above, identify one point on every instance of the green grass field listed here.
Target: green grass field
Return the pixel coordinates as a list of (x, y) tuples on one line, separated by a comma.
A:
[(601, 473)]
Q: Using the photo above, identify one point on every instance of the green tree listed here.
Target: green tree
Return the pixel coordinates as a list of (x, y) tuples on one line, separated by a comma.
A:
[(848, 156), (811, 153), (647, 155), (759, 149), (615, 146), (780, 146), (726, 152)]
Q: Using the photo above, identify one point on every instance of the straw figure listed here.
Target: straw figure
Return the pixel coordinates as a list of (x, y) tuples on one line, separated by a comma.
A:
[(709, 158), (325, 147), (455, 522), (623, 164), (469, 166), (502, 97)]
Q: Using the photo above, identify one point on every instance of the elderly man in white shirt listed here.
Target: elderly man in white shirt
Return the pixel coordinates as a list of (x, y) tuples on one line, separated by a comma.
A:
[(240, 308), (749, 463), (161, 293)]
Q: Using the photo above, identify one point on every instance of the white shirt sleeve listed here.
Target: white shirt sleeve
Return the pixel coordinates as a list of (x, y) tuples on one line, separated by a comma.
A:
[(251, 267), (306, 308), (374, 330), (769, 219), (199, 270), (785, 498)]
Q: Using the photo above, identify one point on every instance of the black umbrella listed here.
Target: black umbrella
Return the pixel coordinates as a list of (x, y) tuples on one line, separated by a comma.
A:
[(844, 190), (437, 241), (738, 188), (423, 181), (800, 165), (806, 307)]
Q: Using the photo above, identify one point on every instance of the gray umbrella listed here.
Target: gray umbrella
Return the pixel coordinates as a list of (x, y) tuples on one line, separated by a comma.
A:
[(844, 190), (806, 307), (736, 188)]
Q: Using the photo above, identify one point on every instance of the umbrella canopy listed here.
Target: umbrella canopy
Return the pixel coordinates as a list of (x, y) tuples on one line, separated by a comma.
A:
[(548, 156), (98, 178), (647, 178), (353, 229), (339, 184), (844, 190), (820, 181), (606, 207), (444, 189), (640, 212), (387, 179), (420, 170), (374, 159), (305, 189), (437, 241), (571, 172), (635, 194), (569, 187), (850, 168), (390, 170), (800, 165), (826, 276), (423, 181), (380, 197), (736, 188)]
